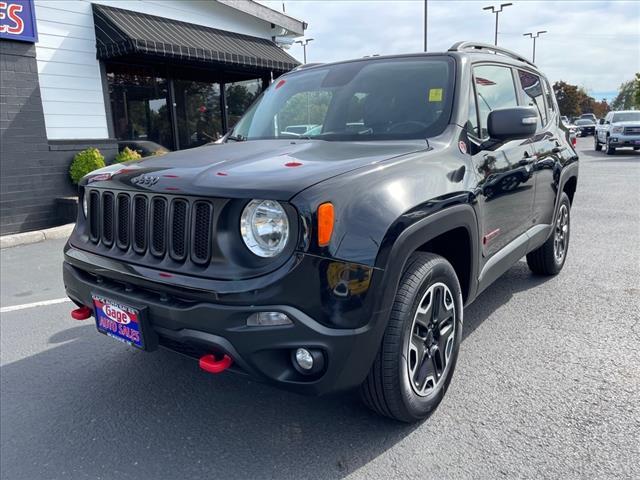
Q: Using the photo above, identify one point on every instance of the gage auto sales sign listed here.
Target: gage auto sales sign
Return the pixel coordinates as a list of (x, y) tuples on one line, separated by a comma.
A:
[(18, 20)]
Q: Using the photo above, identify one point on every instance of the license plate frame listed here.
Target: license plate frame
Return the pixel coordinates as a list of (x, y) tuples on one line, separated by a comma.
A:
[(121, 321)]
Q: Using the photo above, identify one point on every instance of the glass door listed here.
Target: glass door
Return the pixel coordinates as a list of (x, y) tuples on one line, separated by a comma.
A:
[(198, 112), (139, 104)]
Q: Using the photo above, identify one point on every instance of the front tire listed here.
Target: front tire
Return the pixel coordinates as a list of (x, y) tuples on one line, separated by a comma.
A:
[(417, 357), (610, 150), (549, 258)]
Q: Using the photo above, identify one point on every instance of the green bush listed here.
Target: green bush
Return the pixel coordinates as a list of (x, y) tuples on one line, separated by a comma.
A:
[(127, 155), (85, 162)]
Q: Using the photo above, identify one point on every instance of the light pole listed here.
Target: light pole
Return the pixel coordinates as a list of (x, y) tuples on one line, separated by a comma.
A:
[(534, 36), (425, 25), (304, 47), (497, 11)]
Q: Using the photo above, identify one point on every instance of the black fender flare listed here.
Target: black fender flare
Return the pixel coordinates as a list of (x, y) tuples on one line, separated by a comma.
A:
[(421, 232), (391, 267), (568, 172)]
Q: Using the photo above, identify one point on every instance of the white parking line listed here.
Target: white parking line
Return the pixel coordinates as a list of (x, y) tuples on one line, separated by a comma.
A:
[(43, 303)]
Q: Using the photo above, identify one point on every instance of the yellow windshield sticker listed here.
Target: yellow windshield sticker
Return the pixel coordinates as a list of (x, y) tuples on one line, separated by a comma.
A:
[(435, 94)]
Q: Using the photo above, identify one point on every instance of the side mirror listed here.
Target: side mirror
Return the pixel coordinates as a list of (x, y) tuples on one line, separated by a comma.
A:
[(512, 123)]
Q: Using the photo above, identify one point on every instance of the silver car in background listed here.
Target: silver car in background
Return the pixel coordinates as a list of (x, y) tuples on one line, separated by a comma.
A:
[(617, 130)]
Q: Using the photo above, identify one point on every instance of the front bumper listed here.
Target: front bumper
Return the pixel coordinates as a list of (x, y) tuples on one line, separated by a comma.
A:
[(583, 132), (621, 140), (194, 323)]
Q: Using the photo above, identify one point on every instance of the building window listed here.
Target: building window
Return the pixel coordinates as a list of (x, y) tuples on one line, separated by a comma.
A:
[(166, 107), (139, 105), (197, 112)]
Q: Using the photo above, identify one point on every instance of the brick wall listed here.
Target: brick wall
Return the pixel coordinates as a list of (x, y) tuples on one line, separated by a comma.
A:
[(33, 171)]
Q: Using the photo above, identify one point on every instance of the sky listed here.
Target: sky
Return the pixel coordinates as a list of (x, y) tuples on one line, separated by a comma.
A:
[(592, 44)]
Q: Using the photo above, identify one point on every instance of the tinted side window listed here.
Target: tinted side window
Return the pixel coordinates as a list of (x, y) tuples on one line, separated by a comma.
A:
[(532, 86), (494, 89)]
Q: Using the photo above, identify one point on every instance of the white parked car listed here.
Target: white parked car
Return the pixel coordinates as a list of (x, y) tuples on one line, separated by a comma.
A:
[(617, 130)]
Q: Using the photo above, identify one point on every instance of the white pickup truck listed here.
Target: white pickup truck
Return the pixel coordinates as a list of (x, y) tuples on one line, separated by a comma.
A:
[(617, 130)]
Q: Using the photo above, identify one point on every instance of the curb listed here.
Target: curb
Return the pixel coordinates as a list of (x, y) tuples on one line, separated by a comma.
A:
[(37, 236)]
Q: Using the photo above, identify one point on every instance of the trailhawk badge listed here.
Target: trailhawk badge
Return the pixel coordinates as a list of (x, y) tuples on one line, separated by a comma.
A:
[(145, 180)]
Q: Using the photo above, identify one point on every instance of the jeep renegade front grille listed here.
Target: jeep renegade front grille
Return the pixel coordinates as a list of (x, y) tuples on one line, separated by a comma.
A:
[(159, 225)]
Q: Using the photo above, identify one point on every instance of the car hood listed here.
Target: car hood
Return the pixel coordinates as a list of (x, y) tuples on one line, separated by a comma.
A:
[(631, 123), (274, 169)]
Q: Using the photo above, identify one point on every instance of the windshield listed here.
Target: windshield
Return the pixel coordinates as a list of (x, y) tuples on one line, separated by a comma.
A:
[(381, 99), (584, 122), (626, 117)]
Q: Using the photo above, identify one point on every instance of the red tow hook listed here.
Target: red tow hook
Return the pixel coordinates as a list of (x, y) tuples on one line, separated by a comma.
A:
[(81, 313), (210, 364)]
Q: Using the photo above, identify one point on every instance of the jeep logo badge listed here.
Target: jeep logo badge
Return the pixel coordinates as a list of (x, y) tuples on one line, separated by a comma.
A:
[(145, 180)]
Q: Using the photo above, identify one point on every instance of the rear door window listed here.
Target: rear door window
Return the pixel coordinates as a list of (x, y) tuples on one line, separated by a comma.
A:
[(494, 89), (551, 105), (534, 94)]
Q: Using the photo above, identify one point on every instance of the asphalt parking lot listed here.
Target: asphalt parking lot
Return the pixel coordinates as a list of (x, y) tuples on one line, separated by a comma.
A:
[(547, 383)]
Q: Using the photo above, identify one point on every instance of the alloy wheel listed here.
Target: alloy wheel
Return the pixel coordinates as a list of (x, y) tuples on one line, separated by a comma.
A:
[(432, 339), (561, 234)]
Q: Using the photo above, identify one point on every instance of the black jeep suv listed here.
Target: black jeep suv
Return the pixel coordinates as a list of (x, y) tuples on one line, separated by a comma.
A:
[(340, 254)]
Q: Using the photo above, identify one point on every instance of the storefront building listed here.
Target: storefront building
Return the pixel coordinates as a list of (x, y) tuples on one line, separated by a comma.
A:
[(152, 75)]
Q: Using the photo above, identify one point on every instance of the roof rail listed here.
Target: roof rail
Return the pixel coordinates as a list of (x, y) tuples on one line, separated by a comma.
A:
[(467, 46), (306, 65)]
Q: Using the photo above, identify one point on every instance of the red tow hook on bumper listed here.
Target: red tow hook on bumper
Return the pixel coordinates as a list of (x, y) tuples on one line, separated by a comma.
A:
[(81, 313), (210, 364)]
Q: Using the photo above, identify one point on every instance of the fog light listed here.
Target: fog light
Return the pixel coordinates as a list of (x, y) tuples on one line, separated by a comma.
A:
[(308, 361), (304, 359), (268, 319)]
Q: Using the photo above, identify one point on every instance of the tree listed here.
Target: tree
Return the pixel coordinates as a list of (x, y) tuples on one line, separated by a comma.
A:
[(627, 97), (569, 98), (601, 108), (574, 101)]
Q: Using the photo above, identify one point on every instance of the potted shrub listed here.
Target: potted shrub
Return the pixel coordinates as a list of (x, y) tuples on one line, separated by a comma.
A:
[(84, 162), (127, 155)]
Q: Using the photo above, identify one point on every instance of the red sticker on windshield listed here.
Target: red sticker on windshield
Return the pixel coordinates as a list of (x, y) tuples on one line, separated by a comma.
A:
[(462, 146)]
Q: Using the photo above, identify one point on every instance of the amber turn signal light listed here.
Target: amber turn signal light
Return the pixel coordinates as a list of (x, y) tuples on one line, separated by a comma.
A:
[(326, 218)]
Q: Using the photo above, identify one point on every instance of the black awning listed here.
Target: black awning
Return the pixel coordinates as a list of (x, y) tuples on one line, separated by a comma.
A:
[(123, 32)]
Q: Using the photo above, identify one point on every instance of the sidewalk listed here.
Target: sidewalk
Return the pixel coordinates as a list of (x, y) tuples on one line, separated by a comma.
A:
[(36, 236)]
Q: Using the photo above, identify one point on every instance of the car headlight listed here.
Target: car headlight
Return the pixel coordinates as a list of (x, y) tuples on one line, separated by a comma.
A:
[(264, 227), (85, 204), (617, 129)]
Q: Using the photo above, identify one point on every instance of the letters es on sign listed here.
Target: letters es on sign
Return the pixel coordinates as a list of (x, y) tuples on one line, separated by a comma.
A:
[(18, 20)]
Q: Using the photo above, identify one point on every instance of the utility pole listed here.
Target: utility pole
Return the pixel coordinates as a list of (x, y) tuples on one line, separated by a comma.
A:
[(497, 11), (534, 36), (425, 24), (304, 47)]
